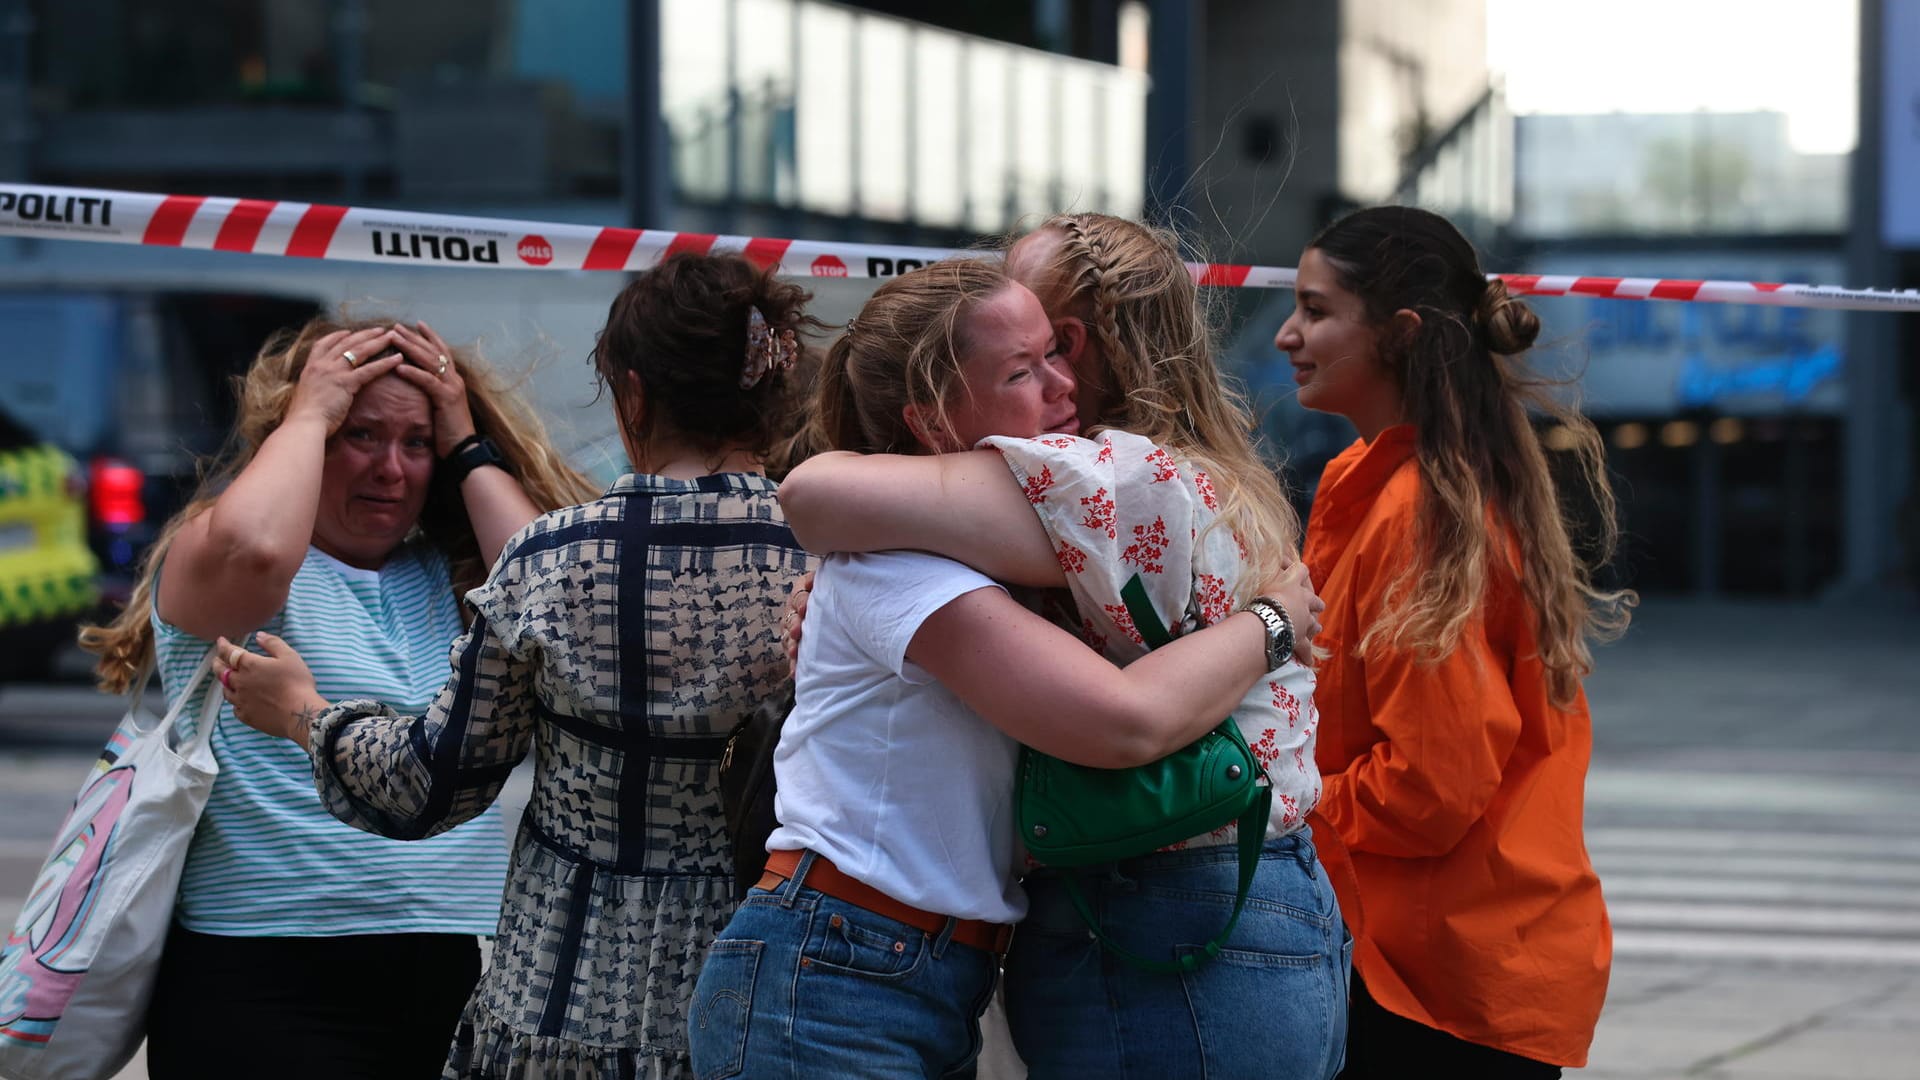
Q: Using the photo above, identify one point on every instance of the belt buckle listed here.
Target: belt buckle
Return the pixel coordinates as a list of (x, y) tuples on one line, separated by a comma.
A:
[(1002, 938)]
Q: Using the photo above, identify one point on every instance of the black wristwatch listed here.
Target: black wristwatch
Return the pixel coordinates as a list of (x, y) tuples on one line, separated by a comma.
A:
[(1279, 629), (469, 454)]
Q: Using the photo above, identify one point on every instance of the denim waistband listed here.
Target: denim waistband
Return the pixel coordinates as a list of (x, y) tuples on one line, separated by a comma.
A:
[(1298, 844)]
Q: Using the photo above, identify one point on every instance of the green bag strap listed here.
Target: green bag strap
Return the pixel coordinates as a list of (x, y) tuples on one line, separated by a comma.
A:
[(1145, 619), (1252, 825), (1253, 833)]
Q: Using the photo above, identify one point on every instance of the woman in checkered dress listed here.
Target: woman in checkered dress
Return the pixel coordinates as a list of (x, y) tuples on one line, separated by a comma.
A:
[(618, 641)]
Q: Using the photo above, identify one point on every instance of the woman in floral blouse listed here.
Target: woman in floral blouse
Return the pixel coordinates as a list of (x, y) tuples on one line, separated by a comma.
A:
[(1167, 491), (619, 641)]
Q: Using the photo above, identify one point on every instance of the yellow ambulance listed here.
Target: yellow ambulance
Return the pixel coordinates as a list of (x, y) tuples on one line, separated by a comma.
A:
[(48, 574)]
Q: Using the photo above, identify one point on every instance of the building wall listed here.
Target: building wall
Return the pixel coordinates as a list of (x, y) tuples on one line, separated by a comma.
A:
[(1672, 173), (1345, 90), (1265, 130), (1350, 87), (1407, 71), (511, 109)]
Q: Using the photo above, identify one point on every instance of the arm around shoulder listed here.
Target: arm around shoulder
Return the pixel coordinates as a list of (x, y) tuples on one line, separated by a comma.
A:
[(1047, 689), (967, 507)]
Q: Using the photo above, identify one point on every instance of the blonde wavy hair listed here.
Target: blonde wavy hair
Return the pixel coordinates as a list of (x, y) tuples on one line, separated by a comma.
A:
[(265, 392), (1129, 284), (905, 347)]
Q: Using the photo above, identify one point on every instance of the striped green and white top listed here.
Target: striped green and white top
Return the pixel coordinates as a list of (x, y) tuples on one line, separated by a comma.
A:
[(268, 860)]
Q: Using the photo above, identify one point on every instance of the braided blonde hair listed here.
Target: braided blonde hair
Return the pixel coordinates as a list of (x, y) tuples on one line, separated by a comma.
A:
[(265, 393), (1129, 284)]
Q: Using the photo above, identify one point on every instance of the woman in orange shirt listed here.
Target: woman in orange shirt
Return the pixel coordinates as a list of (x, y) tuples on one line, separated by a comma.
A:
[(1454, 733)]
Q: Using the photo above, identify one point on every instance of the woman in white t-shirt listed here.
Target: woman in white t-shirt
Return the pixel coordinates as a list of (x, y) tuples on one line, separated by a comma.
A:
[(1169, 492), (873, 942)]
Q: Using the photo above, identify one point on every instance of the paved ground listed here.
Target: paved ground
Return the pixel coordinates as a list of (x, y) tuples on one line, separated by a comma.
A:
[(1754, 810)]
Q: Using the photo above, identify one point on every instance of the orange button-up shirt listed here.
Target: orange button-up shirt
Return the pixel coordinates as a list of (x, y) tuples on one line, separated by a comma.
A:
[(1455, 789)]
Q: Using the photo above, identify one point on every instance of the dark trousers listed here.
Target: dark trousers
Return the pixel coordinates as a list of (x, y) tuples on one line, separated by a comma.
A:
[(369, 1007), (1387, 1046)]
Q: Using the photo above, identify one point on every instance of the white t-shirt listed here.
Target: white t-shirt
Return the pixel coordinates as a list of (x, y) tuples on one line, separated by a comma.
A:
[(880, 768)]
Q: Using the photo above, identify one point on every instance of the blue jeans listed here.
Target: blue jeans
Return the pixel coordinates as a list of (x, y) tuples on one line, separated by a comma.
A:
[(800, 984), (1273, 1004)]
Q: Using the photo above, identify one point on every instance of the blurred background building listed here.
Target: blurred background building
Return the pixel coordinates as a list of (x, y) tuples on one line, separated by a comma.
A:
[(1762, 450)]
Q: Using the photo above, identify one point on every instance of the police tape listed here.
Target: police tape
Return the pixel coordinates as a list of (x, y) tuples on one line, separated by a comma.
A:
[(408, 238)]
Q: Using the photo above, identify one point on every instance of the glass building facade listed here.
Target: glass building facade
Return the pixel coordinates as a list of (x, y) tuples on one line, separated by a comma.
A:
[(796, 105)]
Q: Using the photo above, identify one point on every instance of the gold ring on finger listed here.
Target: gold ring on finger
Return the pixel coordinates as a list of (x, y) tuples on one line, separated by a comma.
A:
[(443, 365), (233, 658), (352, 360)]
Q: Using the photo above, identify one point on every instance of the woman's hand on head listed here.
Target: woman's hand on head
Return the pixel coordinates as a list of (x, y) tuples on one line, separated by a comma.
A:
[(430, 366), (275, 693), (337, 366), (1293, 590)]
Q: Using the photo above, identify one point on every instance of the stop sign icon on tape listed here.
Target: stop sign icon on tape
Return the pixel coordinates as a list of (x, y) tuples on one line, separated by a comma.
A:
[(829, 266), (534, 250)]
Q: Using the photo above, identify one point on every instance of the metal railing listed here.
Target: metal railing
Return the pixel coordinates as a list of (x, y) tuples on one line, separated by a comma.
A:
[(1466, 172)]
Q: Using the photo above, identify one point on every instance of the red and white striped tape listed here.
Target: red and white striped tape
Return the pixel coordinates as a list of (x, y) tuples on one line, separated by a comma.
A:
[(407, 238), (1715, 292)]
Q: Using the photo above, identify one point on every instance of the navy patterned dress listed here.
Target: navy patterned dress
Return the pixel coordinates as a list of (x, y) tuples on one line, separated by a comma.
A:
[(619, 641)]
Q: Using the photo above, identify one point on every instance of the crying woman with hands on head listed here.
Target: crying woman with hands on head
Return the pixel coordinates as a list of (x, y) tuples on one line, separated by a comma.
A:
[(373, 473)]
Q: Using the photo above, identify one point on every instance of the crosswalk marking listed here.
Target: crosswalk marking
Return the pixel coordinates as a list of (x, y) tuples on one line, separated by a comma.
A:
[(1760, 889), (1834, 845), (1794, 918), (21, 849), (1765, 948), (1756, 882), (1794, 866)]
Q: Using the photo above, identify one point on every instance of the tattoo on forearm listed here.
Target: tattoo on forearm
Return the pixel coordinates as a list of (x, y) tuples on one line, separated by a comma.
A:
[(302, 724)]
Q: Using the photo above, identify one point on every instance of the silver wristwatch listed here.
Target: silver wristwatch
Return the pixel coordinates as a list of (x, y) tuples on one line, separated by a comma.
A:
[(1279, 629)]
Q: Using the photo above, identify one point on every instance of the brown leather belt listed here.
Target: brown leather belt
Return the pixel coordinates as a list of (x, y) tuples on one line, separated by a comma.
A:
[(827, 878)]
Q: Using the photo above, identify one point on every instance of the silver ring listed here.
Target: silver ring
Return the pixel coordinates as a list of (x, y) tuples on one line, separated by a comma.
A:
[(443, 365), (352, 360)]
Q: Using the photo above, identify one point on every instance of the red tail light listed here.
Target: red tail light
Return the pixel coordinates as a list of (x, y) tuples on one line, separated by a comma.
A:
[(116, 488)]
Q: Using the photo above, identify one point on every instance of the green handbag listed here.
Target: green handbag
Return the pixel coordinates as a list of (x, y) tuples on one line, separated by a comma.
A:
[(1073, 815)]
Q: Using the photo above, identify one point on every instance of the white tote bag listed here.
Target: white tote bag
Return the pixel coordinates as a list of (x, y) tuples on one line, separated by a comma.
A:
[(78, 969)]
